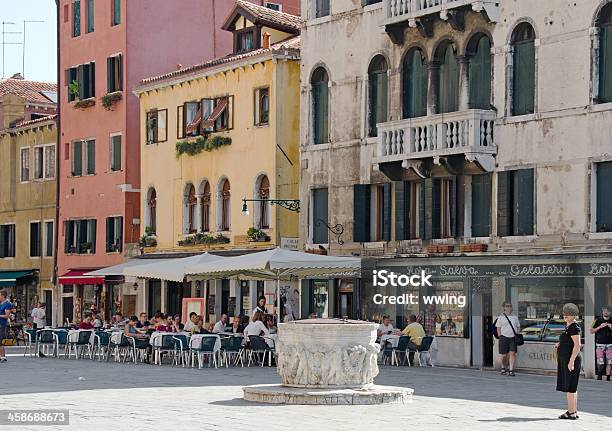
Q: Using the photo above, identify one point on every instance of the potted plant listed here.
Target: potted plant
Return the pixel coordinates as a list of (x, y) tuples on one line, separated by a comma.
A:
[(109, 99), (257, 235)]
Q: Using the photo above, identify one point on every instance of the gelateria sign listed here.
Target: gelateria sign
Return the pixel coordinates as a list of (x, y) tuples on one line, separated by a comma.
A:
[(537, 356), (510, 270)]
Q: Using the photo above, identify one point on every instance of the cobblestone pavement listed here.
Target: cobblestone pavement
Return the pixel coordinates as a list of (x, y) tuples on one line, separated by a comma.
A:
[(110, 396)]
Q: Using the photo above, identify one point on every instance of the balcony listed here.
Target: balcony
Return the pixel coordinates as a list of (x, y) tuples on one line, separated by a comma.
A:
[(421, 13), (465, 133)]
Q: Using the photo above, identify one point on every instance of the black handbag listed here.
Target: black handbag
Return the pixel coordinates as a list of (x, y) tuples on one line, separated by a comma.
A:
[(518, 338)]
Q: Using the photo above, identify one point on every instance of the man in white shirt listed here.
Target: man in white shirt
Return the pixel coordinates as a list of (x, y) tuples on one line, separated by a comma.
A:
[(386, 331), (507, 326), (39, 316), (220, 325)]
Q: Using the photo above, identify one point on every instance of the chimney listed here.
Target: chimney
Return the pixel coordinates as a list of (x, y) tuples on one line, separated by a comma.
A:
[(13, 110), (266, 40)]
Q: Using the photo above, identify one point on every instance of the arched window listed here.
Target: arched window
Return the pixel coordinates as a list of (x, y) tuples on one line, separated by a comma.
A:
[(262, 214), (151, 225), (414, 77), (479, 53), (205, 206), (320, 105), (523, 69), (191, 202), (447, 90), (604, 22), (377, 93), (224, 205)]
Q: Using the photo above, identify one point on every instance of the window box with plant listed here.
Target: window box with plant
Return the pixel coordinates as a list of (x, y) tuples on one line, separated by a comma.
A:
[(147, 241), (86, 248), (257, 235), (201, 143), (204, 239), (109, 99)]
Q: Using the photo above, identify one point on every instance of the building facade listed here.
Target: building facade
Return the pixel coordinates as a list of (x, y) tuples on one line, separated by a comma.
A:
[(28, 184), (462, 139), (214, 134), (105, 49)]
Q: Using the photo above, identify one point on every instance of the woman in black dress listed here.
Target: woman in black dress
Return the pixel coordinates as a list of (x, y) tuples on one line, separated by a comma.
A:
[(568, 361)]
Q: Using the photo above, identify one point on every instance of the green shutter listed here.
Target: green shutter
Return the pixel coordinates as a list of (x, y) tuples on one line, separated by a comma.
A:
[(92, 234), (523, 83), (605, 64), (361, 212), (604, 203), (90, 16), (109, 75), (68, 236), (481, 205), (116, 12), (77, 158), (321, 119), (91, 157), (81, 81), (76, 18), (504, 203), (119, 231), (3, 242), (523, 202), (120, 71), (110, 234), (436, 208), (480, 76), (447, 93), (415, 86), (422, 211), (92, 79), (402, 210), (319, 216), (453, 208), (116, 149), (386, 212), (372, 101)]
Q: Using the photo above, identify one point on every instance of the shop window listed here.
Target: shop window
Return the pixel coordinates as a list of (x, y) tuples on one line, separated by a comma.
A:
[(156, 126), (115, 153), (320, 106), (408, 205), (479, 52), (447, 89), (114, 73), (25, 165), (35, 239), (319, 216), (414, 79), (450, 316), (320, 298), (7, 240), (377, 93), (114, 234), (481, 205), (515, 202), (538, 303), (80, 236), (262, 106), (603, 222), (523, 70), (76, 18), (604, 24)]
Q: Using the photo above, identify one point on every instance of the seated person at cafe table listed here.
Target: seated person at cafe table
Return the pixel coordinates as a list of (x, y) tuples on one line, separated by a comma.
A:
[(386, 331), (448, 327), (161, 324), (175, 323), (141, 340), (269, 321), (193, 320), (86, 323), (220, 325), (117, 319), (416, 333), (256, 326), (237, 326), (142, 323)]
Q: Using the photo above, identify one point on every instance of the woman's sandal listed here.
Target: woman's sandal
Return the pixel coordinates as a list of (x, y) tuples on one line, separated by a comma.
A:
[(568, 415), (511, 373), (502, 372)]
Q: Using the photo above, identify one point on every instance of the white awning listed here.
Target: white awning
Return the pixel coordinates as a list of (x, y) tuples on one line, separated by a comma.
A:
[(172, 269)]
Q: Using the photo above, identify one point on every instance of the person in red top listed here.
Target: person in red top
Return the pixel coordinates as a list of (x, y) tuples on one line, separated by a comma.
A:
[(86, 323)]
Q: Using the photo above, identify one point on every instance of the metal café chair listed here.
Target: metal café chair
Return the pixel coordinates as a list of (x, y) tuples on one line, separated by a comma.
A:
[(101, 344), (30, 342), (166, 345), (259, 348), (422, 349), (400, 351), (118, 346), (181, 350), (205, 348), (138, 348), (79, 342), (232, 351), (45, 341)]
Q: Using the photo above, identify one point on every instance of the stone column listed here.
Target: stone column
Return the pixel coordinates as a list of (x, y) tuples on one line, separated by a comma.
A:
[(198, 215), (588, 351), (464, 88), (252, 296), (143, 288), (164, 295), (433, 68)]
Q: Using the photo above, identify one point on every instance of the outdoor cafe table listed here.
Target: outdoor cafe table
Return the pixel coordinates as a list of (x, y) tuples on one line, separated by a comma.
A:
[(393, 339), (156, 337)]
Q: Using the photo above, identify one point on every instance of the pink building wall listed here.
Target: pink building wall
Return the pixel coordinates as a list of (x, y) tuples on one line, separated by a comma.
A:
[(154, 37)]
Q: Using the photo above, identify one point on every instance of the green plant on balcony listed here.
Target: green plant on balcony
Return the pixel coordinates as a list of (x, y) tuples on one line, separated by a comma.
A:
[(149, 231), (108, 100), (203, 239), (257, 235), (86, 247), (201, 143), (147, 241), (73, 89)]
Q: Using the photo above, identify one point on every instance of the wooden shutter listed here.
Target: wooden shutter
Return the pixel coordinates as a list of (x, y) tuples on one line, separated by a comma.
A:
[(110, 234), (448, 83), (386, 212), (91, 157), (320, 95), (604, 203), (428, 210), (68, 236), (523, 202), (480, 76), (319, 216), (481, 205), (402, 210), (605, 64), (361, 212), (92, 225), (422, 212), (92, 79), (504, 203), (109, 75), (373, 102), (452, 205), (415, 86), (523, 86), (119, 231), (119, 60), (90, 16), (81, 80), (77, 158)]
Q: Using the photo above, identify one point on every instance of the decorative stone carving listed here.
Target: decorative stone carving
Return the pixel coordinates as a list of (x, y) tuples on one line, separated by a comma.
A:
[(323, 353)]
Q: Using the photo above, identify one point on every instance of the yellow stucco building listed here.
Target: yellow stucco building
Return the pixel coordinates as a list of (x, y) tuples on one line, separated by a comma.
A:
[(217, 133), (27, 201)]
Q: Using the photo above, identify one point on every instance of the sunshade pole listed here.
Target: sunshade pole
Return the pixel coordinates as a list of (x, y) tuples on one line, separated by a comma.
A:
[(278, 300)]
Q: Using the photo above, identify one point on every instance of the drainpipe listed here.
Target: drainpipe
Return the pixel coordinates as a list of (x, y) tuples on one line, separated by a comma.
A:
[(58, 129)]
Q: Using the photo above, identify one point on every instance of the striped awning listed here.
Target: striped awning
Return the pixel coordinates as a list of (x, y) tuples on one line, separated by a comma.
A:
[(9, 278)]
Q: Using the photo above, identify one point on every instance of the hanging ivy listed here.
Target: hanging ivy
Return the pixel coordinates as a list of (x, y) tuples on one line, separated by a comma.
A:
[(200, 144)]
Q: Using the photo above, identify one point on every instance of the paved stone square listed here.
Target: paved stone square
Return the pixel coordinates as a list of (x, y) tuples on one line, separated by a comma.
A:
[(111, 396)]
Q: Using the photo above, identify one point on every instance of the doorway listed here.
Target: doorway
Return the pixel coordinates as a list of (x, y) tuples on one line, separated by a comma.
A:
[(48, 295), (487, 322)]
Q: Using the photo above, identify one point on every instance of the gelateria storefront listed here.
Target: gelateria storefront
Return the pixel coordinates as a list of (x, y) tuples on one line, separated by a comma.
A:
[(537, 286)]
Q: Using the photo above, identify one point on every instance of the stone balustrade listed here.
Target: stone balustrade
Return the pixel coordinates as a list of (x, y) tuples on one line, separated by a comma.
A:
[(400, 10)]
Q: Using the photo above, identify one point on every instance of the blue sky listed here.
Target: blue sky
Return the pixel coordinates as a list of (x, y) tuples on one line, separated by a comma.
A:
[(41, 46)]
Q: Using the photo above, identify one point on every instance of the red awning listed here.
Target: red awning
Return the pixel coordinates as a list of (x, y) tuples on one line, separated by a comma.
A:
[(76, 277), (216, 113)]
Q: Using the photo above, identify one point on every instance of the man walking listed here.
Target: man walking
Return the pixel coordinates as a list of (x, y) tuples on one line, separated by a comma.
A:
[(508, 326), (602, 328), (6, 308)]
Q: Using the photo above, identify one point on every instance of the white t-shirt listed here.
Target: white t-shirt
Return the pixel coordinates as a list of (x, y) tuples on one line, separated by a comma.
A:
[(504, 327), (38, 317), (384, 329), (255, 328), (256, 309), (188, 326), (219, 327)]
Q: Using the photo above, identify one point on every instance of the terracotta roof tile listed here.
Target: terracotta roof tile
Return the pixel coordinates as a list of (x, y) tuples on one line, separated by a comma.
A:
[(29, 90), (34, 122), (271, 16), (291, 43)]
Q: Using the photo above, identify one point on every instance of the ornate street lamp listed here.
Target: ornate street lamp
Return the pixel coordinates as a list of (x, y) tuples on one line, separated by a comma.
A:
[(288, 204)]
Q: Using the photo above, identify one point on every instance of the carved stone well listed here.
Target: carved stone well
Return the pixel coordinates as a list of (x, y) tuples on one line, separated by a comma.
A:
[(327, 361)]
